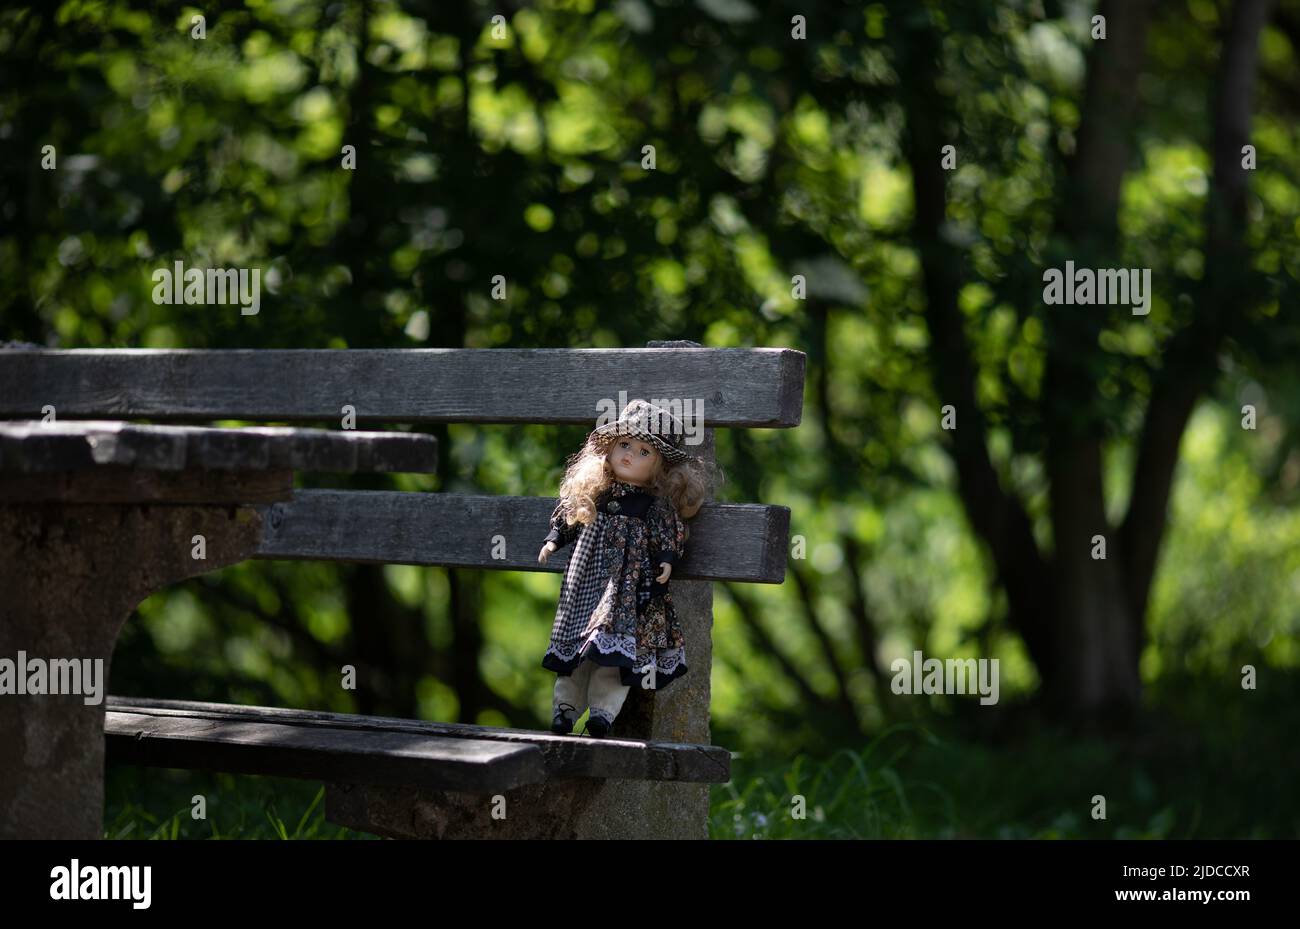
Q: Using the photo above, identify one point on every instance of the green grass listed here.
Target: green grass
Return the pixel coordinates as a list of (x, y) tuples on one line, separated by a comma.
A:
[(1207, 760), (911, 783), (148, 803), (853, 794)]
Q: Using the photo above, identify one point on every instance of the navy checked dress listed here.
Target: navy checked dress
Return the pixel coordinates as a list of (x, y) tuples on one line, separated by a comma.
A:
[(612, 609)]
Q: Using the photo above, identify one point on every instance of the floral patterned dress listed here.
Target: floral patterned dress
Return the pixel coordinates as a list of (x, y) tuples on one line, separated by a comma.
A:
[(612, 609)]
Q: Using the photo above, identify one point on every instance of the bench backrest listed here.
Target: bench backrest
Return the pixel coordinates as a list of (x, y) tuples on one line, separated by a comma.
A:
[(740, 387)]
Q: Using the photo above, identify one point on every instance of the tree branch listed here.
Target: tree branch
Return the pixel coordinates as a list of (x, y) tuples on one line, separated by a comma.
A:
[(806, 598), (996, 516), (864, 623), (1191, 367), (766, 646)]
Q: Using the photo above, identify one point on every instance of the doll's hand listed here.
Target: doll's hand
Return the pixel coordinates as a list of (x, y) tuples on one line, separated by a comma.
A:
[(546, 552), (667, 570)]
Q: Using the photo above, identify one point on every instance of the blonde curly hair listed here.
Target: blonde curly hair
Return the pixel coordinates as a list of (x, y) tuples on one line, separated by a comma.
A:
[(587, 474)]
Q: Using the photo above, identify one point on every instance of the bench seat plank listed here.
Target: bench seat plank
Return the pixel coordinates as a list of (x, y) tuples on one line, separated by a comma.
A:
[(740, 387), (737, 542), (562, 756), (364, 756)]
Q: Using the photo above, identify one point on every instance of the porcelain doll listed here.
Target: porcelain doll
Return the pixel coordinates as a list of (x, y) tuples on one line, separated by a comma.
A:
[(623, 502)]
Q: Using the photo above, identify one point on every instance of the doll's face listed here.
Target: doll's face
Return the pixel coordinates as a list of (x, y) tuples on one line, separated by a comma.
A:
[(632, 460)]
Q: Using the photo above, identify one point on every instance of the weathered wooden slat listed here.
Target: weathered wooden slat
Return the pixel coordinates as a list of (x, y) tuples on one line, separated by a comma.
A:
[(31, 447), (737, 542), (743, 387), (564, 756), (376, 756), (120, 485)]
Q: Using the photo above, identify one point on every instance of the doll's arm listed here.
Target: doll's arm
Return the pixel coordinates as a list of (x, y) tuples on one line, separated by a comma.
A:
[(667, 539), (560, 534)]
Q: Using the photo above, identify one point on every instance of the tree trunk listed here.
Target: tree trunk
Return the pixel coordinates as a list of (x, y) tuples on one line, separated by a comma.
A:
[(1095, 655), (1095, 667), (995, 514), (1191, 359)]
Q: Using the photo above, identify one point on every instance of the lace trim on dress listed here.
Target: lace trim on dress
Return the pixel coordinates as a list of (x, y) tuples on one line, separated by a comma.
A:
[(607, 643), (666, 660)]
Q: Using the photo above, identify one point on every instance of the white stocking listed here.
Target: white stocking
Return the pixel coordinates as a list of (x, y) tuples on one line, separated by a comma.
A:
[(607, 693), (572, 689)]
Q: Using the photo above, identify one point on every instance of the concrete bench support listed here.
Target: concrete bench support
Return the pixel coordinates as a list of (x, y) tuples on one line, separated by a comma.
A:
[(54, 562)]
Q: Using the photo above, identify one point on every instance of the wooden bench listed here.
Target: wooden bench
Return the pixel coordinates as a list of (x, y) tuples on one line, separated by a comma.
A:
[(398, 777)]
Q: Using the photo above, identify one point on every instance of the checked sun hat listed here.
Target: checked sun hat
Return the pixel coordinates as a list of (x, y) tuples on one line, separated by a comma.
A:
[(650, 423)]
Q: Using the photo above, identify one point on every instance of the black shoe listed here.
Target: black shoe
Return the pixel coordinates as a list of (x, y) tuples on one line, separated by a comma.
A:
[(597, 727), (562, 724)]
